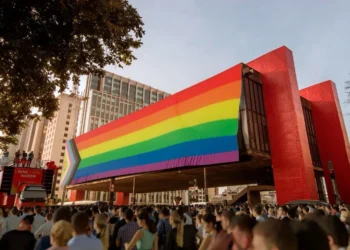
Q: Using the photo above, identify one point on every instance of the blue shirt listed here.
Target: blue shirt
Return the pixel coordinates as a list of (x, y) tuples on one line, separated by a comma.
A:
[(84, 242), (126, 233), (163, 228)]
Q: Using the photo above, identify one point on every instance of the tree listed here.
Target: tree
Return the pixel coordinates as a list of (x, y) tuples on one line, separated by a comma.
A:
[(45, 44)]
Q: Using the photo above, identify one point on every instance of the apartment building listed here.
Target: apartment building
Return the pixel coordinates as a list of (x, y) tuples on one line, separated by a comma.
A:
[(109, 98), (61, 128)]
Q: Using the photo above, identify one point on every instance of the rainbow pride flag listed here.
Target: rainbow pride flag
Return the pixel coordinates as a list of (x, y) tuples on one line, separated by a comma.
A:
[(194, 127)]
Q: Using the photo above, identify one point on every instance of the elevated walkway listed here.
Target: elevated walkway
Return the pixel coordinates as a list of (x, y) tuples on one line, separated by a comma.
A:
[(250, 193)]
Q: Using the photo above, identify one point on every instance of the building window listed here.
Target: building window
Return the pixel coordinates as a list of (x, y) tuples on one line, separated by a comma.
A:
[(154, 97), (64, 141), (139, 96), (67, 122), (68, 117), (66, 129), (132, 93), (147, 97), (70, 105), (63, 148), (95, 82), (125, 89), (61, 161), (116, 87), (65, 135), (62, 154), (107, 88), (69, 111), (160, 97)]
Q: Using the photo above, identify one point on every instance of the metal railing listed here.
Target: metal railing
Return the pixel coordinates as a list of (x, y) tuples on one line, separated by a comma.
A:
[(18, 162)]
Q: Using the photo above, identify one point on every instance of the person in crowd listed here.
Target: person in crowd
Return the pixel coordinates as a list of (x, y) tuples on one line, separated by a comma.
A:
[(2, 222), (242, 231), (271, 213), (30, 158), (83, 238), (274, 235), (258, 213), (39, 220), (21, 238), (146, 237), (115, 216), (24, 158), (209, 222), (102, 230), (200, 230), (61, 233), (63, 213), (309, 235), (117, 226), (345, 218), (183, 211), (17, 158), (91, 220), (163, 227), (338, 237), (226, 219), (175, 239), (127, 232), (26, 211), (45, 228), (12, 221), (283, 213)]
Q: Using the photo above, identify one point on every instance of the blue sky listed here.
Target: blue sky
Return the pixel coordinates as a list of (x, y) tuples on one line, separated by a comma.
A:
[(188, 41)]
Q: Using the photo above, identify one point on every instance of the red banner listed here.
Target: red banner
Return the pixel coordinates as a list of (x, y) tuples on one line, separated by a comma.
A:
[(25, 176)]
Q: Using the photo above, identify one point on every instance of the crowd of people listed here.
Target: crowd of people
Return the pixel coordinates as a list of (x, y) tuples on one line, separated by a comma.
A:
[(244, 227)]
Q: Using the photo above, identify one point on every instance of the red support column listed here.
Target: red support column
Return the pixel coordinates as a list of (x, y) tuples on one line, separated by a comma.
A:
[(121, 198), (76, 195), (292, 165), (331, 135)]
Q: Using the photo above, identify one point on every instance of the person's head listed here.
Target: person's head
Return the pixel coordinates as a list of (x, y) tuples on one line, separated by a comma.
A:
[(218, 215), (226, 219), (282, 211), (310, 235), (306, 210), (345, 217), (100, 222), (301, 216), (177, 222), (336, 231), (164, 213), (209, 222), (95, 211), (61, 233), (257, 210), (14, 211), (274, 235), (26, 223), (122, 210), (26, 210), (80, 223), (199, 220), (271, 212), (48, 217), (129, 215), (242, 231), (63, 213), (38, 210), (144, 221)]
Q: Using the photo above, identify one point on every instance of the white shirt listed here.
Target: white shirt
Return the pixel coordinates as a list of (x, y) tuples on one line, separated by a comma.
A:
[(188, 220), (11, 223), (84, 242), (38, 222), (44, 230)]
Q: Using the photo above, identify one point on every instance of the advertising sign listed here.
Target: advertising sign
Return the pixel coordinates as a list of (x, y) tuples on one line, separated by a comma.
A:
[(25, 176)]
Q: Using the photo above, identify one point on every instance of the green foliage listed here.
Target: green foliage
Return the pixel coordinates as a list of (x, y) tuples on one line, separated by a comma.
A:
[(44, 44)]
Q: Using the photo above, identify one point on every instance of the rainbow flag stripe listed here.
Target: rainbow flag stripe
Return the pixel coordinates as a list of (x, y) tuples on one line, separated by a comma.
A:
[(194, 127)]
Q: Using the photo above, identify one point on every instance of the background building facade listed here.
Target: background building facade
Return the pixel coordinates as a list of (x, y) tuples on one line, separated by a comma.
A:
[(61, 128), (109, 98)]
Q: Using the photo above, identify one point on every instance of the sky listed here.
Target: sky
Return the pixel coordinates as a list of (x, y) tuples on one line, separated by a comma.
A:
[(188, 41)]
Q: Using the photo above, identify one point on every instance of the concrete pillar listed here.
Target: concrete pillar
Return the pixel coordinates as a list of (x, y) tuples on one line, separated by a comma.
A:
[(291, 159)]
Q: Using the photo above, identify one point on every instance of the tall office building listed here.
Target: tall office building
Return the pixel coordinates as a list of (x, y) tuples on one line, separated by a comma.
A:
[(61, 128), (109, 98)]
